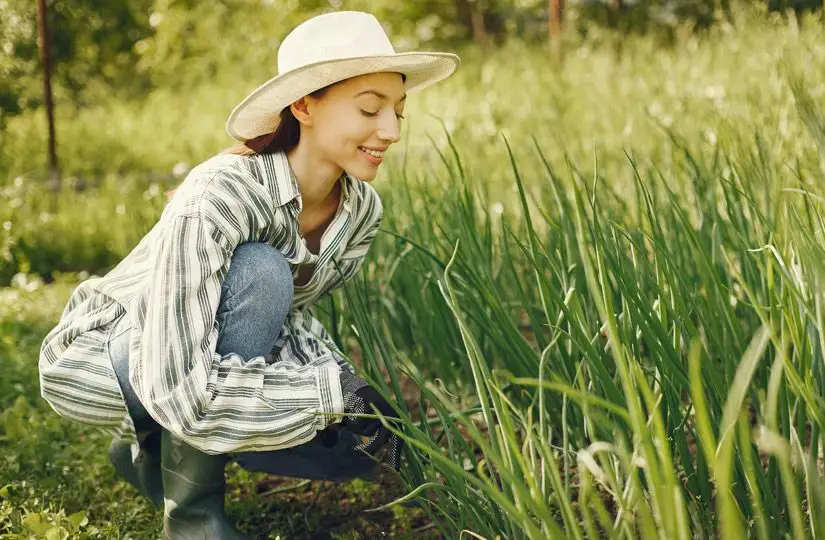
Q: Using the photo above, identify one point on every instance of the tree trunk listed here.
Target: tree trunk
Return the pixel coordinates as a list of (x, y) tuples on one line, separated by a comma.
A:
[(45, 57), (615, 12), (471, 14), (556, 9)]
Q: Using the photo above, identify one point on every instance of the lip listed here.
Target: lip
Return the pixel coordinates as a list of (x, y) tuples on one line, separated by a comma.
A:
[(376, 148), (371, 159)]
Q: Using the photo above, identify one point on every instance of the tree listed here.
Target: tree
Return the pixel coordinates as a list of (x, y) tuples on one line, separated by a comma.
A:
[(556, 11), (92, 45)]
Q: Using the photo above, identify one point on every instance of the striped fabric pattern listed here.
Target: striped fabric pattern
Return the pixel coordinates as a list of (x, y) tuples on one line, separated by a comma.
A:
[(170, 286)]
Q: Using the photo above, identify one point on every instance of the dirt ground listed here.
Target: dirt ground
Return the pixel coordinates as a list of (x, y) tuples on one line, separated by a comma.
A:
[(319, 510), (316, 510)]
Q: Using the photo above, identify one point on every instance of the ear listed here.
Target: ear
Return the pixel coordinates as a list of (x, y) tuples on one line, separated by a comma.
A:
[(301, 111)]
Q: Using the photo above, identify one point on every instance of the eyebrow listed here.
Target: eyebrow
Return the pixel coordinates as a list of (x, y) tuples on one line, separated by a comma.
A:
[(379, 94)]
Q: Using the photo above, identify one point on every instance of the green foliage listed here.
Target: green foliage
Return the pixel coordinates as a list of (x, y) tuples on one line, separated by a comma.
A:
[(639, 365), (595, 97), (105, 226), (18, 51), (101, 48)]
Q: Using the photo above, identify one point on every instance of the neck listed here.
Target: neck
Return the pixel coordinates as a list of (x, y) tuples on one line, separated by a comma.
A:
[(316, 177)]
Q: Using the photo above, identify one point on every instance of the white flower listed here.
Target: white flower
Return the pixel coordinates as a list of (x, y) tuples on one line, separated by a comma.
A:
[(710, 136), (715, 92), (180, 168), (628, 129), (22, 281)]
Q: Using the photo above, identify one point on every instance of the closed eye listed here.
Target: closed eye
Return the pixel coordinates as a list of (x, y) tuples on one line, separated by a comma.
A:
[(371, 114)]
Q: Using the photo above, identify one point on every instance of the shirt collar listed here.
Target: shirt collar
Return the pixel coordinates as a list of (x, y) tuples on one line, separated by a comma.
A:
[(283, 184), (346, 189)]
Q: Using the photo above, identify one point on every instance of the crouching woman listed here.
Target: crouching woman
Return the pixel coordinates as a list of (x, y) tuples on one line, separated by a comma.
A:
[(199, 347)]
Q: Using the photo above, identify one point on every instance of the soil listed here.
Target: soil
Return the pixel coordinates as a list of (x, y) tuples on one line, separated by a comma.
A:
[(319, 510)]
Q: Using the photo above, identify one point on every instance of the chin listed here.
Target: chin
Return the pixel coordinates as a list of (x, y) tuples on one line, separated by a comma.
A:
[(362, 173)]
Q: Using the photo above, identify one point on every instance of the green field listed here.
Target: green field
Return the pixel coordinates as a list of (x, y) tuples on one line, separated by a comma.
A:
[(596, 291)]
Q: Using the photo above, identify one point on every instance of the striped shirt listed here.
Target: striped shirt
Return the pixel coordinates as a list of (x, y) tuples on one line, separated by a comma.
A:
[(170, 287)]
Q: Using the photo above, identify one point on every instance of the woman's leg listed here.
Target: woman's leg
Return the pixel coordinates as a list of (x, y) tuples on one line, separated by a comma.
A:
[(330, 456), (142, 471), (255, 302), (256, 297), (118, 344)]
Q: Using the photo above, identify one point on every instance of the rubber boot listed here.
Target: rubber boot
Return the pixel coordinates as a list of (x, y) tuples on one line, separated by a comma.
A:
[(144, 473), (194, 486)]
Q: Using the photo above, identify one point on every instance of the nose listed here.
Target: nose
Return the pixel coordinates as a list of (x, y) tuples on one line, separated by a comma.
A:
[(389, 129)]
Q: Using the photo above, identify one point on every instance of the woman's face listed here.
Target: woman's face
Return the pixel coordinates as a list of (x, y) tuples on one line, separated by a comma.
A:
[(354, 119)]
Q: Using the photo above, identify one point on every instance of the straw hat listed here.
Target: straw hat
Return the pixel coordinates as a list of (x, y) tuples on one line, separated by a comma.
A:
[(327, 49)]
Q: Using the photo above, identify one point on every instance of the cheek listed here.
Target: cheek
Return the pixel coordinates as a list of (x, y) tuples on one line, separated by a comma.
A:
[(345, 135), (341, 135)]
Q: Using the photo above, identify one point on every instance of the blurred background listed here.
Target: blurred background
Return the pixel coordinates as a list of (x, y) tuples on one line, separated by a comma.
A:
[(142, 89), (179, 66)]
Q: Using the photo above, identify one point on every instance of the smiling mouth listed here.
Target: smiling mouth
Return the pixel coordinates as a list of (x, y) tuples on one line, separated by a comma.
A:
[(372, 156), (374, 153)]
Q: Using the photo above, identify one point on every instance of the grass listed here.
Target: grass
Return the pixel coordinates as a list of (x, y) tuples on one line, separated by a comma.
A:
[(591, 330), (698, 412)]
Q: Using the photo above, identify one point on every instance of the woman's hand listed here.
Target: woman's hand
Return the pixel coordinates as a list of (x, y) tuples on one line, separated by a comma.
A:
[(394, 442), (361, 398)]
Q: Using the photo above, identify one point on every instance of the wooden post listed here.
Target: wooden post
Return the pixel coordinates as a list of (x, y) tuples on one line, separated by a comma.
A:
[(477, 23), (471, 13), (556, 8), (614, 13), (45, 56)]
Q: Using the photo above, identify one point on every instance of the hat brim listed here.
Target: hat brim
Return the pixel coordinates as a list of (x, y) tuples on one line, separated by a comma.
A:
[(259, 112)]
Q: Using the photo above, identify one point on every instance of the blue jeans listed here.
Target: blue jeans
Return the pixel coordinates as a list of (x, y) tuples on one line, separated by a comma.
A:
[(256, 297)]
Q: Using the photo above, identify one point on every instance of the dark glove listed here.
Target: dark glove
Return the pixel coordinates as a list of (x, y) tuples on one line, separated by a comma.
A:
[(360, 398)]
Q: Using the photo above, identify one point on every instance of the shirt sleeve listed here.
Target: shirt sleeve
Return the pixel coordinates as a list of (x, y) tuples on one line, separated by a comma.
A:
[(219, 404), (304, 337)]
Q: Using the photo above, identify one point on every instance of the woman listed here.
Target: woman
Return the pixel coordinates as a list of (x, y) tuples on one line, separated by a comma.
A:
[(198, 347)]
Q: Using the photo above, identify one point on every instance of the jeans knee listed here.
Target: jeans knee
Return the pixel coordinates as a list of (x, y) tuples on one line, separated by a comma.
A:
[(263, 272)]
